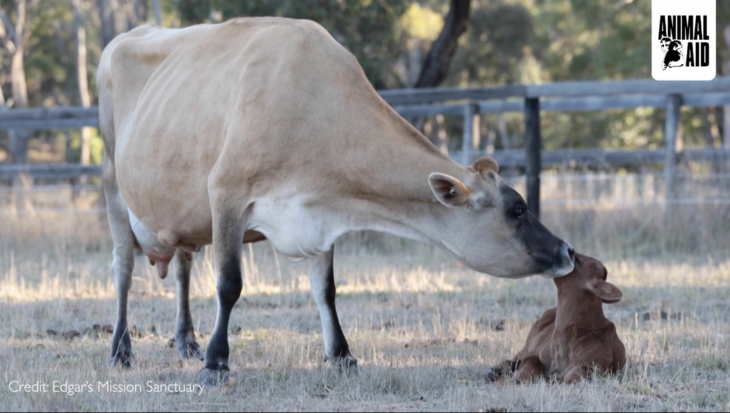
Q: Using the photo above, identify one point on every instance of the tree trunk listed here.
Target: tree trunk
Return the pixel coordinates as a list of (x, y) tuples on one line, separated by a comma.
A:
[(438, 60), (158, 12), (81, 73), (132, 14), (107, 10), (502, 128), (491, 140), (442, 138), (726, 118), (17, 75), (709, 129), (436, 66), (711, 135), (18, 139)]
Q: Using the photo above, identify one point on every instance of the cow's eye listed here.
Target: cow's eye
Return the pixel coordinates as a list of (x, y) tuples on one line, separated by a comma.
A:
[(518, 211)]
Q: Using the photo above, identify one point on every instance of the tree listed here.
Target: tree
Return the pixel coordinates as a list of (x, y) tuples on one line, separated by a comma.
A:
[(437, 63), (366, 28), (81, 73), (15, 38)]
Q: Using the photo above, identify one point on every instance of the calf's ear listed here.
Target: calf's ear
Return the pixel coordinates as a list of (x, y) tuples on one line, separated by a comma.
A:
[(607, 292)]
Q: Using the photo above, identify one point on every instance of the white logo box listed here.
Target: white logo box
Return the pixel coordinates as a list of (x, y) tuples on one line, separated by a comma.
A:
[(691, 26)]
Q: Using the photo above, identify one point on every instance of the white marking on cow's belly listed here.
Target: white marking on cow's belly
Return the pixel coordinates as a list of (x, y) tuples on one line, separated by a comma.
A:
[(294, 230), (147, 239)]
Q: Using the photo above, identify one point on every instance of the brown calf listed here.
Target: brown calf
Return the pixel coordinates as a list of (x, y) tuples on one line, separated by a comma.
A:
[(573, 338)]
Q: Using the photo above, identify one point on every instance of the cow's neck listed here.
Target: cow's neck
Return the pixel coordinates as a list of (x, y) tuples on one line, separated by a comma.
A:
[(390, 192)]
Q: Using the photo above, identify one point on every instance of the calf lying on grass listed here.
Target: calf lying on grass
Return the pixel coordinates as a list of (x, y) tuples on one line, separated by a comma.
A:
[(574, 338)]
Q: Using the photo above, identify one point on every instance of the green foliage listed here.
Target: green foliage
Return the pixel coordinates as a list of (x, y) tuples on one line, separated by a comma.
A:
[(534, 41), (495, 43), (365, 27), (96, 146), (507, 41)]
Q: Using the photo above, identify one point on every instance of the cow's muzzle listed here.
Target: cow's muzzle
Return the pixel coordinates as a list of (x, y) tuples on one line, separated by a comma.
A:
[(566, 254)]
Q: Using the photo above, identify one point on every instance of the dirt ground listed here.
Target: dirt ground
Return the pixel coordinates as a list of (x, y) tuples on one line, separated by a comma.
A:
[(423, 328)]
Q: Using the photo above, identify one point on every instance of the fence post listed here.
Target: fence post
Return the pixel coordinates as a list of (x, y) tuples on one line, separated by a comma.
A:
[(671, 130), (470, 143), (533, 163)]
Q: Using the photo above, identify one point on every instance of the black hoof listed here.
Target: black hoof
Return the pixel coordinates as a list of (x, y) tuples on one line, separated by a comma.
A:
[(210, 377), (346, 365), (124, 360), (189, 350)]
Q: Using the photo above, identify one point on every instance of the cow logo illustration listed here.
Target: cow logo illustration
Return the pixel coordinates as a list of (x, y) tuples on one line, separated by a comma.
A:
[(684, 40), (672, 53)]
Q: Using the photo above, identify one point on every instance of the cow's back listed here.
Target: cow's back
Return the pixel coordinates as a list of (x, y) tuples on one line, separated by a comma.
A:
[(237, 98)]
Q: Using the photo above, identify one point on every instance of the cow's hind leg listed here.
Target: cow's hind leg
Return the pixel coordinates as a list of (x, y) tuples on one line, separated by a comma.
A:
[(228, 232), (322, 280), (122, 264), (187, 347)]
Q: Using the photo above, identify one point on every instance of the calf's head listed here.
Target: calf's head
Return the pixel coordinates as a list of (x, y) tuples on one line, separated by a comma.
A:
[(491, 231), (588, 278)]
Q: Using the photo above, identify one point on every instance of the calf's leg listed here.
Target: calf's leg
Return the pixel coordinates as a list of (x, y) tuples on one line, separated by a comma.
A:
[(530, 369), (494, 373), (322, 280), (187, 347), (577, 373)]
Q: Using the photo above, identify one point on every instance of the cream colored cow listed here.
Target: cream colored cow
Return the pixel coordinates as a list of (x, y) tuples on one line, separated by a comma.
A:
[(267, 128)]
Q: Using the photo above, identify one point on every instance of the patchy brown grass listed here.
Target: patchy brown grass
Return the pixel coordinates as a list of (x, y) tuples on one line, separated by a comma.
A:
[(423, 328)]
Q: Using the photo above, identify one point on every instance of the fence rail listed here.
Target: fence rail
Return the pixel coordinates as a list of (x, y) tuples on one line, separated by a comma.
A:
[(513, 158), (50, 172), (49, 118), (468, 103)]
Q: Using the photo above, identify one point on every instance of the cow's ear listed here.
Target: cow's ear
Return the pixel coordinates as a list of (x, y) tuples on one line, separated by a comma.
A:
[(607, 292), (449, 190), (484, 165)]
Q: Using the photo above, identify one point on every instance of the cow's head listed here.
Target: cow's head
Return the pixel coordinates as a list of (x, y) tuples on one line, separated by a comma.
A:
[(490, 230), (589, 276)]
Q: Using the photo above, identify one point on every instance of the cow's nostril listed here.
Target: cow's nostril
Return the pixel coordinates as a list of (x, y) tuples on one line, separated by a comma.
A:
[(569, 249)]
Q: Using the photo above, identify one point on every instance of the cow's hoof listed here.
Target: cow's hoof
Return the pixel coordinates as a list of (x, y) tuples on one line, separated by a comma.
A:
[(124, 360), (189, 350), (210, 377), (346, 365)]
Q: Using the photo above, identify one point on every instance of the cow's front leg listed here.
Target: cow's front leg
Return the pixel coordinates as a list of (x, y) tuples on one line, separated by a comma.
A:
[(227, 240), (322, 280), (187, 347)]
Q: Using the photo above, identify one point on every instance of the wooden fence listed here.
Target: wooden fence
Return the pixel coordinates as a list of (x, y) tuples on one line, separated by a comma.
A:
[(471, 102), (568, 96)]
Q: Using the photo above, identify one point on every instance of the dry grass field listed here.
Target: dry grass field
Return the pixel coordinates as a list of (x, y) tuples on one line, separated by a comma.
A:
[(423, 328)]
